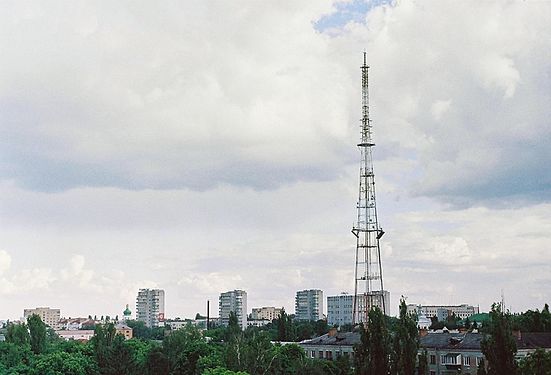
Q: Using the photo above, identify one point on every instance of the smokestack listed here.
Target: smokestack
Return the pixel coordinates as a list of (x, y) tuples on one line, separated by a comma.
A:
[(208, 314)]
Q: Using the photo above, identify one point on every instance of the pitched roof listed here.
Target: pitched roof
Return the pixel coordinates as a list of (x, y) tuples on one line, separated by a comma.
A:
[(447, 340), (533, 340), (341, 338)]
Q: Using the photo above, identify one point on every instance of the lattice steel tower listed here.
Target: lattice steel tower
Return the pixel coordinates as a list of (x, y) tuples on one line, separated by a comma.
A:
[(368, 288)]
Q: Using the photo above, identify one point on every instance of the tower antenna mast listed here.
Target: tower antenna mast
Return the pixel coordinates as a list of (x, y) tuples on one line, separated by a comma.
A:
[(368, 274)]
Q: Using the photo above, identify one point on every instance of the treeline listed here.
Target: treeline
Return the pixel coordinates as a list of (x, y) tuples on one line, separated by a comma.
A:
[(389, 346), (34, 349)]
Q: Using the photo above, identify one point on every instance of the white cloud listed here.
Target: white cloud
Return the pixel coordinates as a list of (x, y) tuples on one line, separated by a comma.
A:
[(203, 147), (440, 107), (5, 261)]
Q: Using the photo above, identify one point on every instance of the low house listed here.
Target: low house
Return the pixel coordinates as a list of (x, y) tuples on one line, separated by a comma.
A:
[(123, 329), (75, 334), (332, 345), (528, 342), (452, 353)]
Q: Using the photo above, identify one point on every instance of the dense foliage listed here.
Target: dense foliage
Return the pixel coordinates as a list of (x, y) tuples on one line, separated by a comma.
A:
[(499, 347), (387, 346)]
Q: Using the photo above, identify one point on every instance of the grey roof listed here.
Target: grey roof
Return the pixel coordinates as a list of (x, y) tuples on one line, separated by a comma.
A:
[(454, 341), (341, 338), (533, 340)]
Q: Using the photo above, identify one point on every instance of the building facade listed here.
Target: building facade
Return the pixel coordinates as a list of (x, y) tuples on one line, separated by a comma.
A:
[(340, 308), (452, 353), (78, 335), (123, 329), (309, 305), (150, 307), (267, 313), (49, 316), (332, 345), (233, 301), (442, 312)]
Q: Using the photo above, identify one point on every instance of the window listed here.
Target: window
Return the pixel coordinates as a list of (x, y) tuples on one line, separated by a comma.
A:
[(313, 354), (433, 372), (466, 361), (320, 354), (328, 354), (450, 359), (432, 359)]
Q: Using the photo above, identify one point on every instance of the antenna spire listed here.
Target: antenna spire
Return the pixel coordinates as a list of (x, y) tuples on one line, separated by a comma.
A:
[(368, 274)]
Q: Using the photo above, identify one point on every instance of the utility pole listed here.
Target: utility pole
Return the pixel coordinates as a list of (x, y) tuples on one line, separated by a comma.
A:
[(368, 274)]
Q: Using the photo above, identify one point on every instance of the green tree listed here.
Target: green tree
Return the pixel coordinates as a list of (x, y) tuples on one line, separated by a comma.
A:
[(14, 356), (157, 362), (287, 359), (37, 330), (61, 363), (120, 359), (285, 329), (405, 343), (139, 350), (139, 329), (481, 368), (102, 342), (17, 334), (423, 367), (372, 354), (536, 363), (499, 347), (183, 349)]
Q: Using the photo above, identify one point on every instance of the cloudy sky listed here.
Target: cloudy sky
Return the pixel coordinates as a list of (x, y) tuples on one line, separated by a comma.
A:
[(206, 146)]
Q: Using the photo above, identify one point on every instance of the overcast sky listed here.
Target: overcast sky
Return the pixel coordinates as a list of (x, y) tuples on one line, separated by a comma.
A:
[(206, 146)]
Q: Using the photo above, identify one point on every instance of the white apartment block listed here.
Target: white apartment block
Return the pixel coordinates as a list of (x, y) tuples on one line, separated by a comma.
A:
[(236, 301), (267, 313), (442, 312), (340, 308), (150, 307), (309, 305), (49, 316)]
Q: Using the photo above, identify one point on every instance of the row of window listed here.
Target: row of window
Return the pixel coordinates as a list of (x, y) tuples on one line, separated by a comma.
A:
[(456, 359), (328, 354)]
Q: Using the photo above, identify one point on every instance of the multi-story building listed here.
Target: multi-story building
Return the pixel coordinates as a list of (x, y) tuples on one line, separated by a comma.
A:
[(233, 301), (267, 313), (340, 308), (49, 316), (442, 312), (309, 305), (150, 307)]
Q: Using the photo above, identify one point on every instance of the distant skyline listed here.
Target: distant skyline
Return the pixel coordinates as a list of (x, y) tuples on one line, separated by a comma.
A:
[(201, 147)]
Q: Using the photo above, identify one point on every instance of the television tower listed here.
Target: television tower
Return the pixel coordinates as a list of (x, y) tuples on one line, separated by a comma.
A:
[(368, 288)]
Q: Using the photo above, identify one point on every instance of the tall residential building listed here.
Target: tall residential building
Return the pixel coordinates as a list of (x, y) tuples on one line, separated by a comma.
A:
[(150, 307), (49, 316), (233, 301), (268, 313), (309, 305), (340, 308), (442, 312)]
